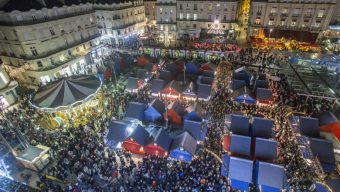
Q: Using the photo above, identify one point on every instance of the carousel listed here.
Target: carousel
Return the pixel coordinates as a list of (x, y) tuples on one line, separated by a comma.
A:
[(68, 99)]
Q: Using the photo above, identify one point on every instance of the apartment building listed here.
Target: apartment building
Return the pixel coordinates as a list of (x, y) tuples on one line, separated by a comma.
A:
[(8, 96), (150, 11), (292, 19), (41, 40), (166, 21), (201, 16), (117, 20)]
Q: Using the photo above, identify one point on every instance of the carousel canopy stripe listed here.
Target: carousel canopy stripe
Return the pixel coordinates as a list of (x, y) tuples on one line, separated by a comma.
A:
[(66, 91)]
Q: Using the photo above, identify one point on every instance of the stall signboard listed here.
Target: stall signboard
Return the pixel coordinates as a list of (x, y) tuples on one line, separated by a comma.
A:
[(157, 52)]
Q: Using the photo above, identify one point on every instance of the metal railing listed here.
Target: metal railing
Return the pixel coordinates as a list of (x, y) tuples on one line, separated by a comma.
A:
[(54, 51), (126, 25), (166, 3), (45, 19)]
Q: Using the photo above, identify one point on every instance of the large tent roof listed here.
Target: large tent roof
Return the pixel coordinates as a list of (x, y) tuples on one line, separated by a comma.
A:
[(204, 91), (118, 131), (157, 86), (270, 175), (135, 110), (140, 135), (193, 127), (322, 149), (163, 139), (263, 94), (262, 127), (65, 92)]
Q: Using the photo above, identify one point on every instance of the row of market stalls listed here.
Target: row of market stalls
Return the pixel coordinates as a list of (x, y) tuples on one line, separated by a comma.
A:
[(142, 132), (251, 151), (250, 88), (188, 54)]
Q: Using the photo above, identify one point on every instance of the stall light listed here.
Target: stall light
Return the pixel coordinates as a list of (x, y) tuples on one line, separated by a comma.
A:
[(216, 21)]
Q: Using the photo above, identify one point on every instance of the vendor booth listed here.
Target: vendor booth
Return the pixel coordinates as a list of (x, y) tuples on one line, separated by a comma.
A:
[(183, 147), (323, 150), (34, 157), (204, 92), (172, 90), (165, 75), (196, 130), (137, 140), (119, 131), (160, 144), (133, 84), (240, 125), (135, 111), (237, 84), (190, 92), (309, 127), (195, 112), (240, 145), (240, 173), (154, 111), (244, 95), (270, 177), (262, 128), (265, 149), (176, 112), (264, 95), (156, 87)]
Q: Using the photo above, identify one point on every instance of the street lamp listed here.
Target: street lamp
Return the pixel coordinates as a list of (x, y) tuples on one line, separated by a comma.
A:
[(270, 32)]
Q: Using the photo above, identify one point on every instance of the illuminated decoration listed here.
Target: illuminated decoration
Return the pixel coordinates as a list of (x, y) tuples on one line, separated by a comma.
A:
[(66, 93), (4, 170), (216, 31)]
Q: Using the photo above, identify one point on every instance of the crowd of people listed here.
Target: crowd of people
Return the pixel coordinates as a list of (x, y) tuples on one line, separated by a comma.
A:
[(82, 160)]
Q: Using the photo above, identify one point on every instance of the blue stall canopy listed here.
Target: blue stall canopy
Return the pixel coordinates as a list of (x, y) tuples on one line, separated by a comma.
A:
[(323, 150), (244, 95), (190, 90), (305, 152), (194, 128), (302, 140), (326, 118), (240, 144), (225, 165), (165, 75), (240, 173), (140, 135), (262, 128), (261, 84), (173, 68), (204, 91), (240, 125), (269, 176), (237, 84), (321, 188), (243, 74), (163, 139), (118, 132), (192, 67), (263, 94), (309, 126), (334, 184), (265, 149), (195, 112), (205, 80), (157, 86), (132, 84), (135, 110), (155, 110), (183, 147)]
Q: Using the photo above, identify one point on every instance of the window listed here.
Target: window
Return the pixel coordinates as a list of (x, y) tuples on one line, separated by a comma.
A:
[(194, 26), (285, 10), (309, 11), (283, 22), (195, 16), (27, 36), (170, 11), (34, 51), (34, 18), (296, 11), (161, 27), (181, 16), (160, 10), (224, 17), (39, 63), (217, 17), (317, 24), (223, 26), (273, 10), (257, 21), (218, 6), (188, 16), (209, 7), (195, 7), (180, 7), (210, 17), (321, 13), (51, 30), (270, 22), (188, 6), (292, 24)]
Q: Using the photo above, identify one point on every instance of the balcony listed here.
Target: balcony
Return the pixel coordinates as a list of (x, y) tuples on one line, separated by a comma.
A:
[(284, 14), (308, 16), (166, 3), (126, 25), (46, 19), (296, 15), (54, 51), (272, 14), (167, 22)]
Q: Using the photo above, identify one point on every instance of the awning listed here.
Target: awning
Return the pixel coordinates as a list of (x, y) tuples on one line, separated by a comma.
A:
[(262, 128), (240, 144), (240, 125), (265, 149)]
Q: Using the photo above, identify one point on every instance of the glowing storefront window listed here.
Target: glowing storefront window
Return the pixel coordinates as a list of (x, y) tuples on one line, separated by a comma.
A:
[(3, 77)]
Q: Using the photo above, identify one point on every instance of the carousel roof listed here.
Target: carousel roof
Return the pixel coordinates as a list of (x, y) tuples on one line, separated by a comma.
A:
[(66, 92)]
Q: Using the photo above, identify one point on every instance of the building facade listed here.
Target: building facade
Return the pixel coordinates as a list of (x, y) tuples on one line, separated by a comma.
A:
[(292, 19), (47, 41), (166, 21), (201, 16), (118, 21), (8, 95), (150, 11)]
